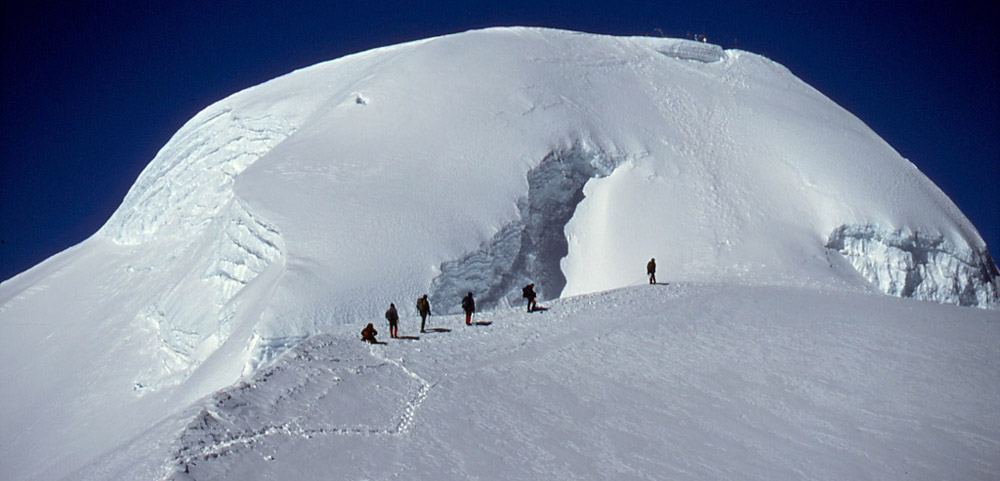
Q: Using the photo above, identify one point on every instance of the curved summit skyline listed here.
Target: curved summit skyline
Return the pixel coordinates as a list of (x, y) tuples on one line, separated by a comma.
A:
[(91, 93)]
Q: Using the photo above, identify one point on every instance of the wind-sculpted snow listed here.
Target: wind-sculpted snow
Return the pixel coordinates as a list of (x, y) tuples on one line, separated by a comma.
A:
[(471, 162), (192, 319), (185, 198), (248, 246), (924, 267), (190, 181), (700, 51)]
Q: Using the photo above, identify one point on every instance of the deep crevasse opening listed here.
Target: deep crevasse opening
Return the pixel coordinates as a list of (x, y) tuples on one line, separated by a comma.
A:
[(531, 248)]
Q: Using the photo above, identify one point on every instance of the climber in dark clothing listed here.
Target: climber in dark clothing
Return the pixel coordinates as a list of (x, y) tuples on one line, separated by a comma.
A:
[(529, 293), (368, 334), (393, 317), (424, 308), (469, 306), (651, 271)]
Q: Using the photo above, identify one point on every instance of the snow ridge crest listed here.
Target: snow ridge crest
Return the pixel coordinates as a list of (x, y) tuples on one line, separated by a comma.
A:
[(190, 180)]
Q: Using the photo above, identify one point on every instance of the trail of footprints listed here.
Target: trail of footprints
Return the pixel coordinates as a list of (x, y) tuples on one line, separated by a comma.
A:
[(317, 390)]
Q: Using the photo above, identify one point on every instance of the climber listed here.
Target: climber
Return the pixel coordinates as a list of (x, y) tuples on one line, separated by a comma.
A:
[(469, 306), (424, 308), (368, 334), (529, 293), (393, 317), (651, 271)]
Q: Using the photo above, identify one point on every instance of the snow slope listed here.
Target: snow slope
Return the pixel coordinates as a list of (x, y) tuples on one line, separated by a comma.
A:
[(686, 381), (470, 162)]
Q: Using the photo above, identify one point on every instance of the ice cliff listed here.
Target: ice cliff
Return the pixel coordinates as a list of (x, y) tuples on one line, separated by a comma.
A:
[(924, 267)]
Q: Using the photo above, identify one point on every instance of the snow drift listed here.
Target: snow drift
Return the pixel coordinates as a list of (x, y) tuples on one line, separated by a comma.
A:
[(470, 162)]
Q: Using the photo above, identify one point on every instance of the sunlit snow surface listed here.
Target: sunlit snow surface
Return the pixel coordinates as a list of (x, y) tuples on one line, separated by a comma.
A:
[(678, 382), (473, 162)]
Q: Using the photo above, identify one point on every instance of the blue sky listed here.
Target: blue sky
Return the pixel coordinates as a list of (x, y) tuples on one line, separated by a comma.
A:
[(91, 91)]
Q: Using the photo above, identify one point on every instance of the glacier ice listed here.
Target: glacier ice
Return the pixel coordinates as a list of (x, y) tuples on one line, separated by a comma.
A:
[(699, 51), (190, 181), (192, 318), (530, 248), (217, 245), (918, 265)]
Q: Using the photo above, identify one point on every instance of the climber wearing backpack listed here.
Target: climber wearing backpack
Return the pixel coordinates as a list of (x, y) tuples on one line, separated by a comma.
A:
[(529, 293), (651, 271), (469, 306), (424, 308), (368, 334), (393, 317)]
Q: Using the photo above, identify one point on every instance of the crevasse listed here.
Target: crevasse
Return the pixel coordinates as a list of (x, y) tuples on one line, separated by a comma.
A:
[(529, 249)]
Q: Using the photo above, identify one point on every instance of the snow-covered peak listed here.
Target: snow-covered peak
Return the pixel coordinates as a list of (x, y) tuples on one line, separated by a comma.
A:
[(756, 174), (478, 162)]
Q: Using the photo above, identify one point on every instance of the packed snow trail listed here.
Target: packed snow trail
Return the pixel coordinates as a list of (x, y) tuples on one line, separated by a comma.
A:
[(406, 420), (654, 382), (308, 371)]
